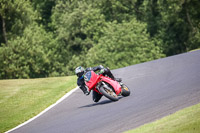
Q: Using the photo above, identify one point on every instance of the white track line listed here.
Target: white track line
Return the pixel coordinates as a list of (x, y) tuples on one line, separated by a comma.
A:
[(41, 113)]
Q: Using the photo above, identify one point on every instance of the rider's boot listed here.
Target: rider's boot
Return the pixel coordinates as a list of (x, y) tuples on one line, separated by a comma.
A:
[(84, 89)]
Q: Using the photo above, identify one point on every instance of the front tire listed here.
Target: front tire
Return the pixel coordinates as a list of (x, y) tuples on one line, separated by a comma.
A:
[(125, 90), (109, 93)]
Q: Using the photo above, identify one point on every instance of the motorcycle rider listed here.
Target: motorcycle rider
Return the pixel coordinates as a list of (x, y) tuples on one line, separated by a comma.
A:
[(81, 83)]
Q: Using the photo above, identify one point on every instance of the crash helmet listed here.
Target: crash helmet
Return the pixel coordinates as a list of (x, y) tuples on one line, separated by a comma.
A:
[(79, 71)]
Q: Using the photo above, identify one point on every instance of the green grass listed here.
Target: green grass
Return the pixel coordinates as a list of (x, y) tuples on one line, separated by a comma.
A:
[(183, 121), (22, 99), (194, 49)]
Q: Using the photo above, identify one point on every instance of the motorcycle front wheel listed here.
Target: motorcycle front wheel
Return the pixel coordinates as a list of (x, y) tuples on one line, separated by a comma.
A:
[(125, 90), (109, 93)]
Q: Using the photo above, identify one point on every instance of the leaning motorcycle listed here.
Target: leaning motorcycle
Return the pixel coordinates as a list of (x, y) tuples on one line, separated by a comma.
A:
[(105, 85)]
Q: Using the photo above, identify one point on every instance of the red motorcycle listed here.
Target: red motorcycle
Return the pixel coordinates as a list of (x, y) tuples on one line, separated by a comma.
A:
[(105, 86)]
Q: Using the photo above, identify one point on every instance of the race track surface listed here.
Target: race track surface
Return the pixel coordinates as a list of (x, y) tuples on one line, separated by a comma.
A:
[(158, 88)]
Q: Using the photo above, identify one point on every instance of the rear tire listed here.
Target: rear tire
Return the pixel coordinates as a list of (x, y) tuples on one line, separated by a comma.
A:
[(125, 90), (109, 94)]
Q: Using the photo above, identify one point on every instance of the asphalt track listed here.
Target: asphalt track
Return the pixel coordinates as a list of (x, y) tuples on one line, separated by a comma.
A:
[(158, 88)]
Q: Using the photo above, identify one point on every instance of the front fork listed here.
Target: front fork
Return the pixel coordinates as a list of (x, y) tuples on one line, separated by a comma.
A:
[(104, 84), (121, 84), (107, 87)]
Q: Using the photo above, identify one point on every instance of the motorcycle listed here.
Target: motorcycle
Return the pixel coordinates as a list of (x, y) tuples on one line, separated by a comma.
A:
[(105, 85)]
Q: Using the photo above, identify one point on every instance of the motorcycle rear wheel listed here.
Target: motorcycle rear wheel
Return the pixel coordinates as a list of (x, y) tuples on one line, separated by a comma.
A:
[(109, 93)]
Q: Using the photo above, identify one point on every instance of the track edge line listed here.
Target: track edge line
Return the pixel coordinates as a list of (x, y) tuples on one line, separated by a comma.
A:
[(44, 111)]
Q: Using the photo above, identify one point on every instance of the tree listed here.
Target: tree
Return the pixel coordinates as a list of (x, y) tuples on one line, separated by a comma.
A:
[(175, 22), (15, 16), (117, 10), (122, 45), (44, 8), (50, 38), (27, 56), (77, 29)]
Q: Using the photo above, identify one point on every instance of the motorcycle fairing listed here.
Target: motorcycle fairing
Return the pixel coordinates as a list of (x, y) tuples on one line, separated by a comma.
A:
[(91, 78), (114, 84)]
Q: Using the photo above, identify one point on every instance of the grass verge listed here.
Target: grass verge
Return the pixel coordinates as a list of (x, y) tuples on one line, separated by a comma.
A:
[(22, 99), (194, 49), (183, 121)]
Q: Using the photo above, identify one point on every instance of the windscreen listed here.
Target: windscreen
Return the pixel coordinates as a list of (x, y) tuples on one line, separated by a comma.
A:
[(88, 76)]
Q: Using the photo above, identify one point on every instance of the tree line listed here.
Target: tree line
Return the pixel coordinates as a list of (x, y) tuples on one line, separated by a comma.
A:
[(51, 37)]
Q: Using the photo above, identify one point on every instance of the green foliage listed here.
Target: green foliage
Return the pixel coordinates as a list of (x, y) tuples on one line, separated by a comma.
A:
[(175, 22), (50, 38), (117, 10), (17, 15), (26, 56), (78, 29), (44, 8), (122, 45)]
